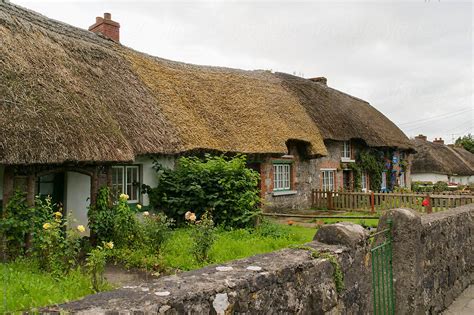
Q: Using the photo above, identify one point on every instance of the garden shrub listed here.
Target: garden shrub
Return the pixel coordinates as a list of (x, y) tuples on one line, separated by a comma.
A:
[(56, 247), (440, 186), (21, 221), (95, 263), (202, 234), (101, 216), (223, 184), (126, 228), (156, 230)]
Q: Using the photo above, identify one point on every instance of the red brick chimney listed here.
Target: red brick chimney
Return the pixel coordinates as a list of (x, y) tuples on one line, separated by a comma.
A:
[(420, 137), (438, 141), (106, 27)]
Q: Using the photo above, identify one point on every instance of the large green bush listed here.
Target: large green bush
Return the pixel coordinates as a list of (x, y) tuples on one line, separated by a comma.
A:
[(224, 185)]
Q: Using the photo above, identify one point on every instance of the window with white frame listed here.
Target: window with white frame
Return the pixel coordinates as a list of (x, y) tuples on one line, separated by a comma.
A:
[(126, 180), (363, 179), (328, 180), (401, 181), (383, 186), (346, 150), (281, 177)]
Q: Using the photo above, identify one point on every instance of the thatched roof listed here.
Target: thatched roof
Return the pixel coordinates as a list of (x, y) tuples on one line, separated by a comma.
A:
[(342, 117), (441, 159), (67, 94)]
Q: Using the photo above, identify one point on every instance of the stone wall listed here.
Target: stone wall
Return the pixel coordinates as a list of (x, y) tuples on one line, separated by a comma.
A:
[(290, 281), (433, 257)]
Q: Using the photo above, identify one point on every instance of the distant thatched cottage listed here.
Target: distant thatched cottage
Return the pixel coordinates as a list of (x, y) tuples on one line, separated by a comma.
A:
[(78, 111), (435, 161)]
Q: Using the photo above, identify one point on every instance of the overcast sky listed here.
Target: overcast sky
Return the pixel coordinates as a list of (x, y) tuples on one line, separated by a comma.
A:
[(412, 60)]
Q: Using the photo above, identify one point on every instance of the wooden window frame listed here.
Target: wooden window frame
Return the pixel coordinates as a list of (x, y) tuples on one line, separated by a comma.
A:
[(125, 183)]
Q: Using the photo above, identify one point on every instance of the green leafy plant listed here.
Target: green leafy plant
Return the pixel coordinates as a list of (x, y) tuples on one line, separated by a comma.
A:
[(223, 184), (95, 263), (440, 186), (126, 228), (101, 216), (55, 247), (203, 235), (156, 229)]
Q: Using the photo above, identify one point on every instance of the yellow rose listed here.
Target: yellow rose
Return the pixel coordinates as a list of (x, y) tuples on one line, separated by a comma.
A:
[(109, 245), (146, 213), (139, 206), (123, 196), (58, 214), (81, 228), (46, 225), (189, 216)]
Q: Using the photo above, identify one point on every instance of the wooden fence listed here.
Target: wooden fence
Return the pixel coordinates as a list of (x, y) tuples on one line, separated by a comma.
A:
[(383, 201)]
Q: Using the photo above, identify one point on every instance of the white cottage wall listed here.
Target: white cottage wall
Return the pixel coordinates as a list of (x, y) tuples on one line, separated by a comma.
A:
[(429, 177), (149, 176)]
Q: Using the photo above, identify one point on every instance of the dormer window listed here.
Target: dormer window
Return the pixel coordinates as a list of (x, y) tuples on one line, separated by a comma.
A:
[(346, 154)]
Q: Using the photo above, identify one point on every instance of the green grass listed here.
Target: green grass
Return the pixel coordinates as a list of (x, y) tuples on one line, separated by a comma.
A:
[(234, 244), (364, 222), (27, 287)]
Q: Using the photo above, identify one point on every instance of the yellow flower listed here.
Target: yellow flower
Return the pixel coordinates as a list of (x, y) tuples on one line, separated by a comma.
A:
[(139, 206), (58, 214), (109, 245), (81, 228), (123, 196), (190, 216), (46, 225), (146, 213)]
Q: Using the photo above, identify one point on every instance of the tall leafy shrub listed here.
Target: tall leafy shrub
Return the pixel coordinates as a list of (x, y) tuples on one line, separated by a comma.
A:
[(222, 184)]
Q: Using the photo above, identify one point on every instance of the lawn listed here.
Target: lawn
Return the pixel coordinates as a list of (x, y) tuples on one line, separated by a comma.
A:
[(25, 286), (234, 244)]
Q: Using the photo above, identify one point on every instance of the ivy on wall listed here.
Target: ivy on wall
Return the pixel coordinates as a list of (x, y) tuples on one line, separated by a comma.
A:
[(372, 162)]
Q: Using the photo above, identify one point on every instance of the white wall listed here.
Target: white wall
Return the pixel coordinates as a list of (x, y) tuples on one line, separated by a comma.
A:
[(463, 180), (78, 192), (429, 177), (149, 176)]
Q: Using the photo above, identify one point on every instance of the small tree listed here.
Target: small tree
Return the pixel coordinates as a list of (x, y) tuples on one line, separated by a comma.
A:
[(467, 142), (223, 184)]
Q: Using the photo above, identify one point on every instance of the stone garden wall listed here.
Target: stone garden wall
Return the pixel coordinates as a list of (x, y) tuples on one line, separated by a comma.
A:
[(433, 261), (433, 258), (289, 281)]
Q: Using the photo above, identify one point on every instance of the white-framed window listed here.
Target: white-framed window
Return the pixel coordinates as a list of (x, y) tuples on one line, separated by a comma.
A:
[(363, 179), (126, 180), (328, 179), (346, 150), (401, 181), (383, 186), (281, 177)]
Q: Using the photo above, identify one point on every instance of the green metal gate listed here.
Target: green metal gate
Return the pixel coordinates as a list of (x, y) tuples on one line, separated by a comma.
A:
[(382, 275)]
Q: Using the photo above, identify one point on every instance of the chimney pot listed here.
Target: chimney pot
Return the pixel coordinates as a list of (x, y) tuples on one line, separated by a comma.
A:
[(438, 141), (420, 137), (107, 27), (322, 80)]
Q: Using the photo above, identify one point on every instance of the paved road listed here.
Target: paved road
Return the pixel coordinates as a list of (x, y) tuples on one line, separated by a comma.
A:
[(464, 304)]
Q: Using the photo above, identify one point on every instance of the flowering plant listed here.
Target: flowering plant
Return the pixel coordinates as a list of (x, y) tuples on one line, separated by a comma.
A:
[(203, 235)]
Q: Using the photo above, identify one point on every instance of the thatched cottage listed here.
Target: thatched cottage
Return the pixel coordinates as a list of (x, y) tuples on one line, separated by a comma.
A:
[(435, 161), (78, 110)]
